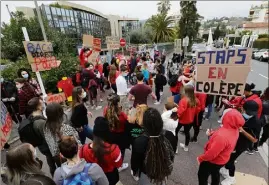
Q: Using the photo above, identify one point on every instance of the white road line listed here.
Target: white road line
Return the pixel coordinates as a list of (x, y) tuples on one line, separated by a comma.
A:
[(263, 76)]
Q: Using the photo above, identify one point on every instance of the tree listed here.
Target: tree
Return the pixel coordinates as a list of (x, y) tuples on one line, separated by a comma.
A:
[(164, 6), (141, 36), (188, 23), (217, 33), (160, 27)]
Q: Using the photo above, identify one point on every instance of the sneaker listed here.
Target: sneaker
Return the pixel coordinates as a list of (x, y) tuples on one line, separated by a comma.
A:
[(206, 119), (101, 100), (135, 177), (228, 181), (157, 103), (124, 166), (186, 149), (98, 107), (193, 140), (256, 150), (177, 151), (161, 93), (224, 172), (219, 121), (249, 152)]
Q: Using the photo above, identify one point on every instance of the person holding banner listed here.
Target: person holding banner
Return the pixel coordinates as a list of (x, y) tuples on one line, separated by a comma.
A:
[(83, 55)]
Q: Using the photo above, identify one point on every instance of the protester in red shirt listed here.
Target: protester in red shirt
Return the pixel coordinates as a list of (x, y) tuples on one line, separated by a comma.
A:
[(117, 120), (188, 108), (113, 74), (219, 147), (83, 56), (107, 156), (198, 121)]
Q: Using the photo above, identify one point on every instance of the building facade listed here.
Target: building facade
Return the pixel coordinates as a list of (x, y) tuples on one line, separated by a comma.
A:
[(76, 20)]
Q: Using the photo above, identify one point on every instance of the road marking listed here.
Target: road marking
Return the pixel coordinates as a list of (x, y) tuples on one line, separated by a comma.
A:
[(263, 76)]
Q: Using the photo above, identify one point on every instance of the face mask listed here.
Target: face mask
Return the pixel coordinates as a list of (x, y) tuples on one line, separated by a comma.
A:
[(19, 86), (2, 80), (25, 75), (84, 94), (91, 67), (246, 116)]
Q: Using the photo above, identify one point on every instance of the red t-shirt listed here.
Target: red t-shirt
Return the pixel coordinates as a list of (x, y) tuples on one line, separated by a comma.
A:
[(99, 67), (66, 86), (140, 92), (112, 80), (122, 119)]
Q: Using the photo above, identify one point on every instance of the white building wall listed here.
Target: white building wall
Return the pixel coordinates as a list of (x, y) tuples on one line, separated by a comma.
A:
[(259, 15)]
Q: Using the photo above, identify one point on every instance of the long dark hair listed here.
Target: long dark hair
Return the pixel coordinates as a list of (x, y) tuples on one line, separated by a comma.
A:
[(24, 69), (157, 162), (75, 96), (99, 149), (21, 164), (55, 113), (112, 113)]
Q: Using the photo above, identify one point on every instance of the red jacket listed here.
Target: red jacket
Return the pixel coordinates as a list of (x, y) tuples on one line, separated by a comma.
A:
[(84, 58), (112, 159), (222, 142), (122, 120), (202, 99), (240, 101), (99, 67), (185, 113)]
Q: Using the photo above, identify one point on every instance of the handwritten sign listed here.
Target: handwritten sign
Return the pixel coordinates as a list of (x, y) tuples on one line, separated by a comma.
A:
[(6, 125), (97, 44), (40, 55), (113, 43), (87, 40), (57, 98), (223, 71)]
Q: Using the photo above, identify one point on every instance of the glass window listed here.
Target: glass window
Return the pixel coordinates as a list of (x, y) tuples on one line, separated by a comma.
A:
[(53, 10), (65, 24), (75, 13), (49, 17), (47, 9), (58, 10), (61, 23), (67, 13), (63, 12)]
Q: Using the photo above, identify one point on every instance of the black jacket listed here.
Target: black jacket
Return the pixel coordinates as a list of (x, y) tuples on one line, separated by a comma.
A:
[(79, 116)]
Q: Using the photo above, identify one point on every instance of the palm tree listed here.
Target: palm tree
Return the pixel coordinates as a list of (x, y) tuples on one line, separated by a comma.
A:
[(164, 6), (160, 25)]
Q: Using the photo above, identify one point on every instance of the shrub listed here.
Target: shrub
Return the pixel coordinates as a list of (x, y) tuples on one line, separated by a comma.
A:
[(263, 36), (262, 43)]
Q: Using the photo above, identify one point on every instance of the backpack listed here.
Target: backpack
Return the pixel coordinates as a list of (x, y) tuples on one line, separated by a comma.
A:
[(164, 81), (81, 178), (85, 79), (28, 134), (173, 81)]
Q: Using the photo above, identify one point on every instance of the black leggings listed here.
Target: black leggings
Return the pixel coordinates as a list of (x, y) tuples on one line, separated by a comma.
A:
[(157, 92), (265, 134), (187, 128), (205, 170), (196, 126), (114, 87), (113, 177), (230, 165)]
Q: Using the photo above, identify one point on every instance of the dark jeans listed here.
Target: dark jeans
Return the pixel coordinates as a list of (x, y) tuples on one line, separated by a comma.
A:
[(51, 162), (157, 92), (230, 165), (86, 132), (265, 134), (205, 170), (197, 123), (161, 89), (113, 177), (114, 87), (209, 111), (187, 128)]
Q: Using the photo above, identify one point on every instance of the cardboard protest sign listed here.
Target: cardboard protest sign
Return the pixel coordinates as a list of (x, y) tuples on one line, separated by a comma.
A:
[(87, 40), (97, 44), (113, 42), (92, 58), (57, 98), (223, 71), (40, 55), (6, 125)]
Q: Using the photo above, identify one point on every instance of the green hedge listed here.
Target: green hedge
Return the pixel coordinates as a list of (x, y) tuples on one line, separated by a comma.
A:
[(50, 78), (263, 36), (262, 43)]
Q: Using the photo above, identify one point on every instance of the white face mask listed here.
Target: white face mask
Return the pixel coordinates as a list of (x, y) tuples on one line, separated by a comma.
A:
[(84, 94), (19, 86), (25, 76)]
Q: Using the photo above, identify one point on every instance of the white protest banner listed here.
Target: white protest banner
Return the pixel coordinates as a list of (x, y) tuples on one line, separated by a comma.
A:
[(6, 125), (40, 55), (87, 40), (113, 42), (223, 71)]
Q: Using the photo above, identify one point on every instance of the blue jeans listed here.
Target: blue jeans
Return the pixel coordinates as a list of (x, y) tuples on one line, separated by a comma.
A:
[(176, 97), (85, 133), (209, 111)]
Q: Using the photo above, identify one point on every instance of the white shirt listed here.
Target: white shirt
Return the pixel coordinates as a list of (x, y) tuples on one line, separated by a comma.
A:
[(151, 67), (121, 86), (168, 123)]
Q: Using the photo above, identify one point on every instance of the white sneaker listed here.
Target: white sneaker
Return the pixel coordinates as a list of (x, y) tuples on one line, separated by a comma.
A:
[(157, 103), (161, 93), (135, 177), (186, 149), (228, 181), (101, 100), (98, 107), (224, 172), (177, 151), (219, 121), (124, 166)]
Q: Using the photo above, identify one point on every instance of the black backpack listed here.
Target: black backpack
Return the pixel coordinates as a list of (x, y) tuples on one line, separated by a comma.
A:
[(85, 78), (173, 81), (164, 81), (28, 134)]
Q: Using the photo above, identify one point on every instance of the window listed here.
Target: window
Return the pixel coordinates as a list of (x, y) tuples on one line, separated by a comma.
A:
[(47, 9), (63, 12), (61, 24), (53, 10), (49, 17)]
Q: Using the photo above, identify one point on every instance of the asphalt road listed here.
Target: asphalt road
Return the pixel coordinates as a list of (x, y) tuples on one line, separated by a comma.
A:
[(185, 165)]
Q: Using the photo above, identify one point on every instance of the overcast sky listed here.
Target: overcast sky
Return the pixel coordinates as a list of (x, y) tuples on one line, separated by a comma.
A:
[(144, 9)]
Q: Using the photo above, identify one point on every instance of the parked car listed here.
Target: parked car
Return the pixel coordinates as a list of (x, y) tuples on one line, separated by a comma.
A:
[(254, 50), (261, 55)]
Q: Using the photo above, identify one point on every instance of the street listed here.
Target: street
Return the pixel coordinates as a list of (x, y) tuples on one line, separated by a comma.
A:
[(185, 164)]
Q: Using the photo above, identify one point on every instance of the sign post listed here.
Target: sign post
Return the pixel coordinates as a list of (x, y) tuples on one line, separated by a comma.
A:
[(177, 45), (122, 44)]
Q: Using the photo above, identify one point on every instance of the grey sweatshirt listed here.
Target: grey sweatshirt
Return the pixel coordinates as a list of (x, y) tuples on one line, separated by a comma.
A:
[(95, 172)]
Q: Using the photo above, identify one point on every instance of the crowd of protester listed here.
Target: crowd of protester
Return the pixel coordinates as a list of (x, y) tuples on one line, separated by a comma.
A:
[(152, 136)]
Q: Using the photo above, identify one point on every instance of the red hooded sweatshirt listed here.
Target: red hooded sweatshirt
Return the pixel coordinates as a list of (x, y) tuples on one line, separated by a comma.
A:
[(112, 158), (186, 113), (84, 58), (202, 99), (240, 101), (222, 142)]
